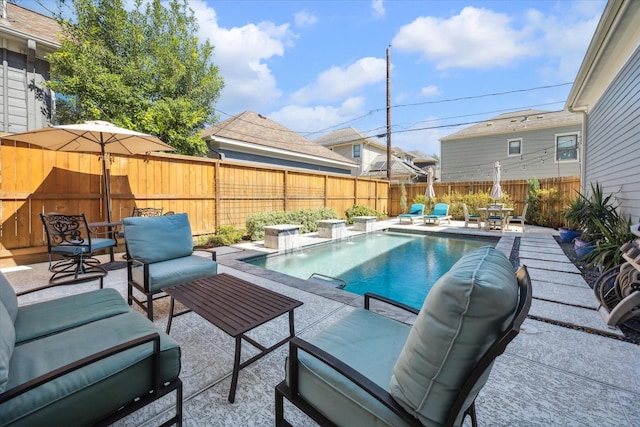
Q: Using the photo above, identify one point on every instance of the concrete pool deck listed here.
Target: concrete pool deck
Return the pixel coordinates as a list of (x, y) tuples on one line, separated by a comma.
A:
[(556, 372)]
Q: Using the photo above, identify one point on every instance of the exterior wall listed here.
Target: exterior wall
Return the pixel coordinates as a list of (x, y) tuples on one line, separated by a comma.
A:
[(367, 156), (472, 159), (25, 102), (613, 139)]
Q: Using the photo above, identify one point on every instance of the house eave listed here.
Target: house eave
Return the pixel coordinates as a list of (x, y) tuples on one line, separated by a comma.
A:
[(614, 41), (231, 144)]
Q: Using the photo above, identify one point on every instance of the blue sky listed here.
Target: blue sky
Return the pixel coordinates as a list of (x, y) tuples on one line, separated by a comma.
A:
[(317, 66)]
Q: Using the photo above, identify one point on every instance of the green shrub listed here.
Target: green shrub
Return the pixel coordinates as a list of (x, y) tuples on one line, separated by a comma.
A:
[(226, 235), (305, 218), (359, 210)]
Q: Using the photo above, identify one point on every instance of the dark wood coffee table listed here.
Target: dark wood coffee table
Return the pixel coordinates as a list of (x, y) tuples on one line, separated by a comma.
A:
[(235, 306)]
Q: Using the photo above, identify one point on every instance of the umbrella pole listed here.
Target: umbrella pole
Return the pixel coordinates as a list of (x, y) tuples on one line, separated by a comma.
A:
[(107, 197)]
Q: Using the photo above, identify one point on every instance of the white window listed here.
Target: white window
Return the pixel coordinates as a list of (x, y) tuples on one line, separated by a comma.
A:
[(356, 151), (514, 147), (567, 147)]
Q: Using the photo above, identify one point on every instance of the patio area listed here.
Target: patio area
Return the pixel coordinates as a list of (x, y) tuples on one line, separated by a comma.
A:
[(566, 367)]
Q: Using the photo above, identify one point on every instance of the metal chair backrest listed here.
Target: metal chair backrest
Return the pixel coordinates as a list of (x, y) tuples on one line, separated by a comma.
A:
[(498, 347), (146, 212), (67, 231)]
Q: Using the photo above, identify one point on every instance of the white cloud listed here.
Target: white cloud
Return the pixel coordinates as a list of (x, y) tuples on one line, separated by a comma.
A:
[(377, 7), (339, 82), (310, 119), (240, 54), (430, 90), (305, 19), (475, 38), (563, 39)]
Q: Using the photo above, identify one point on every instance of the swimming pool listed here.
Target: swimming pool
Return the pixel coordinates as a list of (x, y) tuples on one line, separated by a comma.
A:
[(401, 266)]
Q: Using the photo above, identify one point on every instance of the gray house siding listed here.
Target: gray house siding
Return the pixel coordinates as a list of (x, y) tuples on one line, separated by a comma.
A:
[(613, 139), (25, 103), (472, 159)]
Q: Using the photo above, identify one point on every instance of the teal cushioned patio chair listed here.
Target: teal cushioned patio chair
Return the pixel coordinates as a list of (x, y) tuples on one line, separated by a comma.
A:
[(518, 218), (367, 369), (440, 213), (468, 217), (416, 212), (160, 254)]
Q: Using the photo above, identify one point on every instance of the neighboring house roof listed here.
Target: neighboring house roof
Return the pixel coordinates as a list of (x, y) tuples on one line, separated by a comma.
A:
[(24, 24), (401, 153), (526, 120), (254, 130), (347, 136), (613, 43), (398, 168), (420, 157)]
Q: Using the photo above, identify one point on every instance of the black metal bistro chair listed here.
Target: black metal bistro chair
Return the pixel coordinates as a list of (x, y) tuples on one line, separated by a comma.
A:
[(69, 237)]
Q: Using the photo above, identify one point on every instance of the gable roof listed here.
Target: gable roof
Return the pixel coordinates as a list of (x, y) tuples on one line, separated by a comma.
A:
[(256, 129), (526, 120), (398, 168), (421, 157), (347, 136), (24, 24)]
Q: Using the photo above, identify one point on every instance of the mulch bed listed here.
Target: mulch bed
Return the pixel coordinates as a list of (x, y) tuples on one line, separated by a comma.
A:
[(631, 328)]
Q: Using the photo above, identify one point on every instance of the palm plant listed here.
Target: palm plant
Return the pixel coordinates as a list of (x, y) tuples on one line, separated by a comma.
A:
[(607, 252)]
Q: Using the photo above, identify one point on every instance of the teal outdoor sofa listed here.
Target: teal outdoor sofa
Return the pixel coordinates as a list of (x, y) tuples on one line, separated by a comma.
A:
[(84, 359), (160, 254), (369, 370)]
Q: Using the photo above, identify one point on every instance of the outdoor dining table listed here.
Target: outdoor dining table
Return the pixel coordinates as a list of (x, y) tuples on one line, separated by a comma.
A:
[(503, 212)]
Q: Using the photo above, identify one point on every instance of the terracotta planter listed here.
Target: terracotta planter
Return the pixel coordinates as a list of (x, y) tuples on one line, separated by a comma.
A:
[(567, 235)]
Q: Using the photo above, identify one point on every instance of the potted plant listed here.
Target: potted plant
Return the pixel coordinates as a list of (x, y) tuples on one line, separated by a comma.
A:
[(608, 251), (572, 220), (596, 211)]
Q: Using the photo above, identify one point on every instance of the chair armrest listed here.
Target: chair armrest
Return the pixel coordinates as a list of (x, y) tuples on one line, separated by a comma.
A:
[(369, 295), (348, 372), (96, 357)]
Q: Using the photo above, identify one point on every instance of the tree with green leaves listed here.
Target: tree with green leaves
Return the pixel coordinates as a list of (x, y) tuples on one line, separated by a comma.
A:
[(143, 69)]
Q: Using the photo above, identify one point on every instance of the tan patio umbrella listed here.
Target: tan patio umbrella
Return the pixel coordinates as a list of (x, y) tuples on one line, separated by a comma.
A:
[(93, 137)]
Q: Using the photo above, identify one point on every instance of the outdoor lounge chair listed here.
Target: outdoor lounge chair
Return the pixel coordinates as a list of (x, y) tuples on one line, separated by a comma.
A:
[(367, 369), (470, 217), (440, 213), (416, 212), (69, 236)]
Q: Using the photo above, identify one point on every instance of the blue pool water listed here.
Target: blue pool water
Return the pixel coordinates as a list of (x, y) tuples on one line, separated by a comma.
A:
[(396, 265)]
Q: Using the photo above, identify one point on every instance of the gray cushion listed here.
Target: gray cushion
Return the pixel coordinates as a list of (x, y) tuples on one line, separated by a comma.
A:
[(8, 297), (52, 316), (160, 238), (7, 341), (463, 314)]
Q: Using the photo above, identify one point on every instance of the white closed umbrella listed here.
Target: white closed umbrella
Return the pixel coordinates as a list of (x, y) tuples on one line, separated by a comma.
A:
[(496, 189), (430, 193)]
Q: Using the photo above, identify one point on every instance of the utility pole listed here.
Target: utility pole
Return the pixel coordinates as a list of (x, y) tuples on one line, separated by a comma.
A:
[(389, 113)]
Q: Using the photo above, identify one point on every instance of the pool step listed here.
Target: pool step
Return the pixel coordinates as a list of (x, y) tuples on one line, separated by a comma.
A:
[(323, 279)]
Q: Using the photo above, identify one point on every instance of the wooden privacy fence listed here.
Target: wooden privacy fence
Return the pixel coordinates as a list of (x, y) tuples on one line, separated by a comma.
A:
[(516, 189), (211, 192)]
